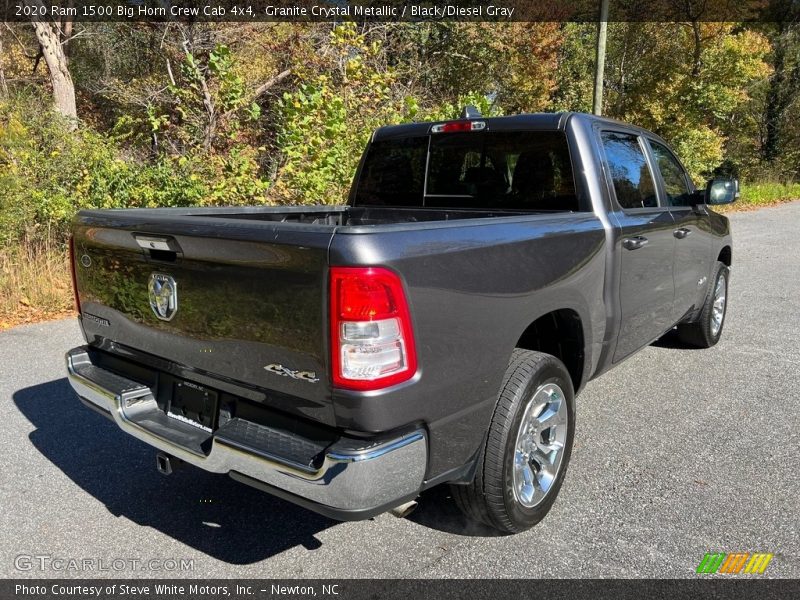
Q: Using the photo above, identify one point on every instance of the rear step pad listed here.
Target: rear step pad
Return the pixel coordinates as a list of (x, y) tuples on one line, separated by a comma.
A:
[(139, 407), (271, 443), (124, 388)]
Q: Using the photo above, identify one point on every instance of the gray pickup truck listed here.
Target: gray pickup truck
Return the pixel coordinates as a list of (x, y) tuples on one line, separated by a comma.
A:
[(436, 329)]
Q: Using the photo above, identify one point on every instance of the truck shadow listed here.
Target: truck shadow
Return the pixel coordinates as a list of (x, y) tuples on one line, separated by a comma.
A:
[(437, 510), (672, 341), (211, 513)]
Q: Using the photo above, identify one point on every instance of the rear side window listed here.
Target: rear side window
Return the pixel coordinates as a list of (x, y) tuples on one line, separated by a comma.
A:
[(675, 179), (630, 173), (487, 170)]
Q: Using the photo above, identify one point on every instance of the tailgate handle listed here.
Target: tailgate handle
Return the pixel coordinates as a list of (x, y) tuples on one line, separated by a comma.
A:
[(159, 247)]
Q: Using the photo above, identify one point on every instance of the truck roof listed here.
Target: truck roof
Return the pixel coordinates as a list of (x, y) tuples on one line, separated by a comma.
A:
[(525, 121)]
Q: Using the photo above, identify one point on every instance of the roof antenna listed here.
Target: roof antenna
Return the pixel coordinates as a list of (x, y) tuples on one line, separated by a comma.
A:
[(470, 112)]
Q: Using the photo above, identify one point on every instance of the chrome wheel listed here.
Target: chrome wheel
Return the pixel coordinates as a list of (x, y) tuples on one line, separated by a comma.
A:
[(718, 307), (539, 449)]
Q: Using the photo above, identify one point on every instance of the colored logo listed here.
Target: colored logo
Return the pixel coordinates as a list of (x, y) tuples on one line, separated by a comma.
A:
[(735, 563)]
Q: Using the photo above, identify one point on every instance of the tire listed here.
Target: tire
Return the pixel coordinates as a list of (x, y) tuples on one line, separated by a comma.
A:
[(494, 496), (704, 333)]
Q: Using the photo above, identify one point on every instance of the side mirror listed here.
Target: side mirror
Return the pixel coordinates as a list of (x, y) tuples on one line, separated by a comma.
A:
[(722, 191)]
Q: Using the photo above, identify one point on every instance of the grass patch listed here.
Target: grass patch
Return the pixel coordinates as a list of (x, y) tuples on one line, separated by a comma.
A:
[(35, 283), (757, 195)]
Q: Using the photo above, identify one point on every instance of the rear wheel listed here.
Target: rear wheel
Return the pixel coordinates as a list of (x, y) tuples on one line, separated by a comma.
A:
[(523, 463), (707, 329)]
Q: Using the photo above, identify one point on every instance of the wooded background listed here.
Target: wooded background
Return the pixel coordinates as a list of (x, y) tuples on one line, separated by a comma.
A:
[(146, 115)]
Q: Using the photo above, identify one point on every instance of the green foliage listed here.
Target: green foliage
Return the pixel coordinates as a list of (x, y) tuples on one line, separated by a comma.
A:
[(205, 104), (658, 76), (763, 194), (513, 63), (209, 100), (326, 122), (316, 143), (449, 110), (575, 70), (173, 118), (700, 148), (49, 172)]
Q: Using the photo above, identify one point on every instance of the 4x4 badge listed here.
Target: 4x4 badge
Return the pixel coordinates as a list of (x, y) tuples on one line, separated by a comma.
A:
[(163, 294), (310, 376)]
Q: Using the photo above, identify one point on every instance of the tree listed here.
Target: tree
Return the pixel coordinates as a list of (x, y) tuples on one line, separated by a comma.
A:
[(3, 84), (656, 79), (784, 85), (53, 53)]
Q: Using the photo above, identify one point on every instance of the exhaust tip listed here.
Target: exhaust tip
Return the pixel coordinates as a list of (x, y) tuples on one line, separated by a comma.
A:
[(164, 463), (402, 511)]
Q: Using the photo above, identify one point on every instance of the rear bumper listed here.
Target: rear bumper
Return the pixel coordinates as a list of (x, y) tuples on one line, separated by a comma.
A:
[(352, 479)]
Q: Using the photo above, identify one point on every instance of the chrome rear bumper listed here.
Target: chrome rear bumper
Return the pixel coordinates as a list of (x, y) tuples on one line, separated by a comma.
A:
[(355, 478)]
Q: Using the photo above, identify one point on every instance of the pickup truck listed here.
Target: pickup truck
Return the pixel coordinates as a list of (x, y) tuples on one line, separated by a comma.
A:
[(435, 329)]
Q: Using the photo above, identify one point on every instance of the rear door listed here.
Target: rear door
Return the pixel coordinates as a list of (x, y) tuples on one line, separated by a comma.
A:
[(692, 240), (645, 245)]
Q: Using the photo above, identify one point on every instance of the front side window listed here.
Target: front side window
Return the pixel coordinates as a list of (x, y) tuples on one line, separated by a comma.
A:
[(675, 179), (633, 182)]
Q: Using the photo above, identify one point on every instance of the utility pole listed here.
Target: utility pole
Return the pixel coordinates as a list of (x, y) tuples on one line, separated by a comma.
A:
[(600, 58)]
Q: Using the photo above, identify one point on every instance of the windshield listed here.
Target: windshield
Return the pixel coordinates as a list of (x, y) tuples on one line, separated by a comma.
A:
[(528, 170)]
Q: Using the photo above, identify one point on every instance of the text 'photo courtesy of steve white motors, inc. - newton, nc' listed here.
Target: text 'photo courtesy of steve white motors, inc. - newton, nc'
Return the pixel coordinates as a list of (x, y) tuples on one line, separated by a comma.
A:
[(137, 10), (175, 590)]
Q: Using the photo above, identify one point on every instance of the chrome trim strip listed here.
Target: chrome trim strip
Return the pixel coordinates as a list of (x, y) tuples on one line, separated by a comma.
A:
[(378, 451), (152, 243), (348, 479)]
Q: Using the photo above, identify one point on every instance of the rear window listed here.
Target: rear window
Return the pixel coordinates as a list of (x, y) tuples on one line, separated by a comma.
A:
[(485, 170)]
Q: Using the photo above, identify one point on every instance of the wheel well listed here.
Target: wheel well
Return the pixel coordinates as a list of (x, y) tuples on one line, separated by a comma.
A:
[(725, 256), (559, 333)]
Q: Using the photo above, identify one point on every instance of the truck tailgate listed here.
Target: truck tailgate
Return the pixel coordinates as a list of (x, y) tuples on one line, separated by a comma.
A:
[(234, 300)]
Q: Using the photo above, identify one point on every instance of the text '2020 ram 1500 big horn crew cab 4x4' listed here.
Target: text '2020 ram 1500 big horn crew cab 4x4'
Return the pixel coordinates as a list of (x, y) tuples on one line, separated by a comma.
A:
[(436, 329)]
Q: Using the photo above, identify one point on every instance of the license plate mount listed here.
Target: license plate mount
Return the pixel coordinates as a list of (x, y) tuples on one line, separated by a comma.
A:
[(194, 404)]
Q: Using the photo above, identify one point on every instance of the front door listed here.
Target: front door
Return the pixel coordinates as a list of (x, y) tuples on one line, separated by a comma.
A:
[(692, 241), (645, 244)]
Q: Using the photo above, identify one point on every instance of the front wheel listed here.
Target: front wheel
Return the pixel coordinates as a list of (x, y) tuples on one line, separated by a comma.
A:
[(523, 463), (707, 329)]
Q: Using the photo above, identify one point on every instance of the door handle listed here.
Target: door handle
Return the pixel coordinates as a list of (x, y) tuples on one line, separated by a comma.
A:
[(681, 233), (634, 243)]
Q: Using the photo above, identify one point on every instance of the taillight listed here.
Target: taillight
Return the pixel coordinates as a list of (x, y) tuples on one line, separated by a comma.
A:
[(74, 274), (454, 126), (372, 343)]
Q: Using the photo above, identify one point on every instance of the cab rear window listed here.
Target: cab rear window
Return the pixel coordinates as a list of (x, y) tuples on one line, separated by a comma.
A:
[(528, 170)]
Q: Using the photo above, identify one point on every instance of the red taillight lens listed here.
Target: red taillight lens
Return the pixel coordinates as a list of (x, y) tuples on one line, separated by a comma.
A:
[(74, 274), (454, 126), (372, 343), (362, 298)]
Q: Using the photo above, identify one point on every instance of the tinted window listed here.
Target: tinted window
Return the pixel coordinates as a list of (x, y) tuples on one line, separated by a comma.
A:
[(675, 180), (518, 171), (633, 182), (393, 173)]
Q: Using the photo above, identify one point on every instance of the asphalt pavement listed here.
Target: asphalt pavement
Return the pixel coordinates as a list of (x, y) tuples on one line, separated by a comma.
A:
[(678, 452)]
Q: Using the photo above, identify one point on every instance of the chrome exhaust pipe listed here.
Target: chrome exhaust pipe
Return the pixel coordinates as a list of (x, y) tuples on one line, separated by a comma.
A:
[(402, 511)]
